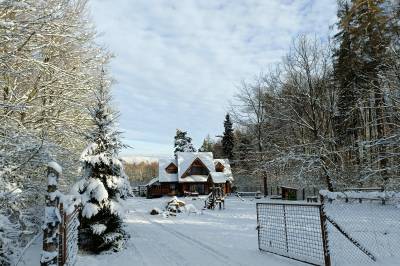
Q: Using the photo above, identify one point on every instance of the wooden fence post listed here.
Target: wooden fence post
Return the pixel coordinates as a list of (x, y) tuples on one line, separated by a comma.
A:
[(52, 218), (324, 231)]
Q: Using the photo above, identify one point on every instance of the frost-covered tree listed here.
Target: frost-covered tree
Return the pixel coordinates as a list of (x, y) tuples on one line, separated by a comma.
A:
[(48, 68), (228, 137), (183, 143), (208, 145), (104, 181)]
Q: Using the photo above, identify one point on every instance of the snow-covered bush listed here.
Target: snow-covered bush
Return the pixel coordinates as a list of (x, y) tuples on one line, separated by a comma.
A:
[(175, 206), (104, 182)]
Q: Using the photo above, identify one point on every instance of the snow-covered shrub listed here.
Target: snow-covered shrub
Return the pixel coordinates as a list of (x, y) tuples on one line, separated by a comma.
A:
[(175, 206), (104, 182)]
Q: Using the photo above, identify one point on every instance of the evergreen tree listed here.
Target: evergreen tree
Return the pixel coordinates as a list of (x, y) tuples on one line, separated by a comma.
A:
[(208, 145), (183, 143), (228, 138), (361, 60), (104, 182), (346, 78)]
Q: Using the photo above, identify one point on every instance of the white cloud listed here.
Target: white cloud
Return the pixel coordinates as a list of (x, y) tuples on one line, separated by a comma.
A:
[(178, 63)]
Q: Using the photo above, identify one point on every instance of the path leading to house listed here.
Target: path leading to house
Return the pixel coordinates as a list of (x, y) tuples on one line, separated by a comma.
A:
[(212, 237)]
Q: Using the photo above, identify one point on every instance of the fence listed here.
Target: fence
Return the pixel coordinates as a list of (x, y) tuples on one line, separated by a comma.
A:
[(68, 237), (363, 227), (60, 231), (293, 230), (354, 228)]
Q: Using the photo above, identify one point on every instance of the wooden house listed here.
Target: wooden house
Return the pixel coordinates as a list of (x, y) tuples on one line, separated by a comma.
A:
[(190, 172)]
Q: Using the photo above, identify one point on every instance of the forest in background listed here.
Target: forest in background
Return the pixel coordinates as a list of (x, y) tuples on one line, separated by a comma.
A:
[(327, 115), (140, 173)]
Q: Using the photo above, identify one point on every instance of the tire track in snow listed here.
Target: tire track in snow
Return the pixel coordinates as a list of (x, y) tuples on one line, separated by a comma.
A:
[(208, 249), (169, 256), (136, 250)]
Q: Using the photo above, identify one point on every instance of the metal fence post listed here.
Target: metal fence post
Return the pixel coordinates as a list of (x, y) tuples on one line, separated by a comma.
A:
[(284, 219), (258, 225)]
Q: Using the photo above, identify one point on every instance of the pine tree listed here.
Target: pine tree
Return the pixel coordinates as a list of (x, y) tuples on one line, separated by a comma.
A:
[(360, 62), (208, 145), (104, 182), (228, 138), (183, 143)]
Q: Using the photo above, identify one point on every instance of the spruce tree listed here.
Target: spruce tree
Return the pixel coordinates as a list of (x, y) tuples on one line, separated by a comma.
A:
[(228, 138), (183, 143), (360, 62), (347, 79), (104, 182)]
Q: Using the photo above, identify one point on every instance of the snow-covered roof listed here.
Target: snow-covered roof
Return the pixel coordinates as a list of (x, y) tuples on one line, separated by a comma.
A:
[(219, 177), (185, 159), (163, 175), (227, 167), (195, 178), (152, 181)]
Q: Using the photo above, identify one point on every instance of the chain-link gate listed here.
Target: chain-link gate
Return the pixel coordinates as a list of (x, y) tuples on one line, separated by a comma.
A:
[(297, 231), (363, 228)]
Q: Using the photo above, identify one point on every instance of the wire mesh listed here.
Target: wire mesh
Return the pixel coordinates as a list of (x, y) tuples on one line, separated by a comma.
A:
[(375, 226), (291, 230)]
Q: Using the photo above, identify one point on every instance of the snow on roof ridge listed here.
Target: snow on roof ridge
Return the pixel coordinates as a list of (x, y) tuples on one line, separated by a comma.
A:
[(185, 159)]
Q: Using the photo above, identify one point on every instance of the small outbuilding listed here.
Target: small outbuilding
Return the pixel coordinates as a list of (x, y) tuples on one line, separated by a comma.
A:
[(291, 193)]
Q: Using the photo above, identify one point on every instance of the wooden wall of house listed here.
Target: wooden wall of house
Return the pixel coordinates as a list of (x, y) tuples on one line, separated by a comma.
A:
[(162, 189), (200, 187), (175, 189)]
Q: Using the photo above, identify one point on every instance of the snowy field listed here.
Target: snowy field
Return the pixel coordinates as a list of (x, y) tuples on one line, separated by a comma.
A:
[(212, 237)]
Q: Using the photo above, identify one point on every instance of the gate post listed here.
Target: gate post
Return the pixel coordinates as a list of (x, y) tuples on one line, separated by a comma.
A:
[(324, 232), (52, 218), (265, 184)]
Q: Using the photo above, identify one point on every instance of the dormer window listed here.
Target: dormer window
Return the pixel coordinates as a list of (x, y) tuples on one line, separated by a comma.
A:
[(219, 167), (198, 168), (171, 169)]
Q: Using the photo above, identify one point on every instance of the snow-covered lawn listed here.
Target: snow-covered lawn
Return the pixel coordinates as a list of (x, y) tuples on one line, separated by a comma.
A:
[(212, 237)]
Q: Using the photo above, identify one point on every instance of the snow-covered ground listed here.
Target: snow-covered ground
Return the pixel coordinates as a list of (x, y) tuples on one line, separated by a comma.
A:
[(229, 237), (211, 237)]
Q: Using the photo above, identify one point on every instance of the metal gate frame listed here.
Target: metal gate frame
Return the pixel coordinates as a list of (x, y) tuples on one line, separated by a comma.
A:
[(324, 233)]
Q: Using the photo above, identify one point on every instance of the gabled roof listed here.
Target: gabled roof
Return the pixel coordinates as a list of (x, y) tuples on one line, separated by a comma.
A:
[(152, 181), (163, 175), (185, 159), (227, 167), (219, 177)]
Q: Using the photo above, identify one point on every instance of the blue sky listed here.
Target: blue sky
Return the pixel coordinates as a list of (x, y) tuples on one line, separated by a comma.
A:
[(179, 62)]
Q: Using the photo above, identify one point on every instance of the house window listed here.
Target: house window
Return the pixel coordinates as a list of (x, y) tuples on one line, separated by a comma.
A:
[(198, 168), (171, 169), (197, 188), (219, 167)]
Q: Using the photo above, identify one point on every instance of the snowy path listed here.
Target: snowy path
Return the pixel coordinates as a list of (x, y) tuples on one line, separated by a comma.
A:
[(226, 237)]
